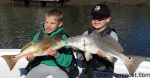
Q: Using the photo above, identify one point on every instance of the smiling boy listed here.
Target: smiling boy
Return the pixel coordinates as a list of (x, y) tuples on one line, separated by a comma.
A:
[(47, 65)]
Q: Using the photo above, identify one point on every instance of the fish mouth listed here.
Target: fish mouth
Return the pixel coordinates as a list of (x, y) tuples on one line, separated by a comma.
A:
[(68, 43)]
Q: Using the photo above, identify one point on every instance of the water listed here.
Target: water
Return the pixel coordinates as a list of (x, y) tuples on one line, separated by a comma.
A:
[(18, 24)]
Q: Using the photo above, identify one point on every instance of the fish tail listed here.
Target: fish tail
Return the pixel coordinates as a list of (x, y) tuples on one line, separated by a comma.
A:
[(133, 63), (11, 60)]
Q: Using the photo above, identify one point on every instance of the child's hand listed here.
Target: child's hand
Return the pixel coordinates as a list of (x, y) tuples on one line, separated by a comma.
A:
[(30, 57), (52, 52), (101, 53)]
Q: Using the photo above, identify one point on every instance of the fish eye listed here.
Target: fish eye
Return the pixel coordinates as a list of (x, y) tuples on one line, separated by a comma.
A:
[(130, 58)]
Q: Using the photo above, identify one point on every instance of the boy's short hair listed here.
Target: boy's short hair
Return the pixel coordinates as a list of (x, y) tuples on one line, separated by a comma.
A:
[(100, 11), (55, 12)]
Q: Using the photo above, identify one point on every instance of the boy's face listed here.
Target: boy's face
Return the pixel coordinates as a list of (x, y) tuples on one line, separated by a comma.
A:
[(100, 24), (52, 23)]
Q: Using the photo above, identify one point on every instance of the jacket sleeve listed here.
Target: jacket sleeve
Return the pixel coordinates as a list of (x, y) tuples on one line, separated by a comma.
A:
[(114, 35), (85, 33)]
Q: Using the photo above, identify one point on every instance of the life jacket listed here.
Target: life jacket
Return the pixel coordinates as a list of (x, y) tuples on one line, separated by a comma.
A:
[(72, 70), (106, 31), (97, 62)]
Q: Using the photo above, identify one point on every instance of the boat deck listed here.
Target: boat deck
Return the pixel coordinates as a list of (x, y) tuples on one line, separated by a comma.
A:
[(119, 69)]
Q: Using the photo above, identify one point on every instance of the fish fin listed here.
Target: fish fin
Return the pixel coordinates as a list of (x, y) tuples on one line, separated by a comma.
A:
[(133, 63), (88, 56), (10, 60), (42, 53), (27, 45)]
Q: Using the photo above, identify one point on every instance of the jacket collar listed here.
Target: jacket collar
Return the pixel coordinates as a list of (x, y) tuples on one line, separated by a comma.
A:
[(106, 31)]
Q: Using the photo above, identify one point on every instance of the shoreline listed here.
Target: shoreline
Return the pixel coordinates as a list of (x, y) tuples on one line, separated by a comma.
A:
[(93, 2), (116, 2)]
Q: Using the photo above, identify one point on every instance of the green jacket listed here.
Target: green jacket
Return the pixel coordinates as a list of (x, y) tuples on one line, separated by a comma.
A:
[(64, 58)]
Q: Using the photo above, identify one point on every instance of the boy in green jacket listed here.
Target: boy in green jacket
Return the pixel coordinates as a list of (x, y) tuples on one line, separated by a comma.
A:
[(52, 27)]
